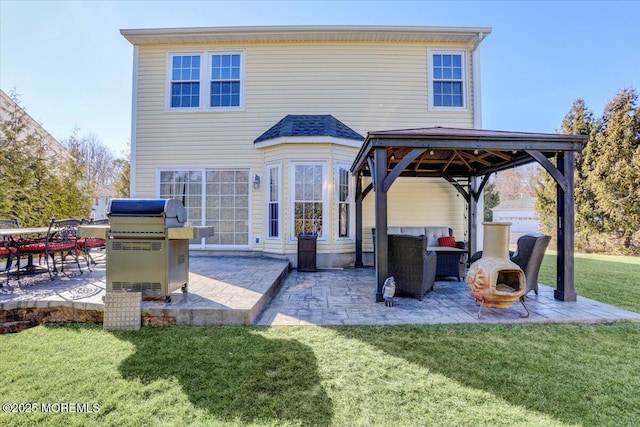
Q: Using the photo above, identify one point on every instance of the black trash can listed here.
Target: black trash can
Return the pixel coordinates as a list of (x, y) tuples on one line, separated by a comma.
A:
[(307, 252)]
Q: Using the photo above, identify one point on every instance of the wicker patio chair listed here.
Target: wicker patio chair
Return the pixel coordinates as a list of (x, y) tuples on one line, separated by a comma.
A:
[(412, 266), (529, 254)]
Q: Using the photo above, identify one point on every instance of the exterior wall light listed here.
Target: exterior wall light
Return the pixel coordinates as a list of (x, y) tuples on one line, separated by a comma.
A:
[(256, 182)]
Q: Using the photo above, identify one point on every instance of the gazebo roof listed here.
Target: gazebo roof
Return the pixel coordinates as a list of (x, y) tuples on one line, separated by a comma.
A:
[(461, 152)]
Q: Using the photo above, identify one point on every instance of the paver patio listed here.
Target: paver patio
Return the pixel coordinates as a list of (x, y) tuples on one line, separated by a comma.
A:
[(258, 290)]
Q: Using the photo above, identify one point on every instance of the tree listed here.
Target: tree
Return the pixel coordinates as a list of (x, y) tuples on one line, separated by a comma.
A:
[(516, 183), (614, 175), (95, 159), (122, 186), (491, 200), (578, 121), (37, 180)]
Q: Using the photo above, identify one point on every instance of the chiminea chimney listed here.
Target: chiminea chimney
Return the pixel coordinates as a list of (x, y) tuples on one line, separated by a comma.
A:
[(495, 281)]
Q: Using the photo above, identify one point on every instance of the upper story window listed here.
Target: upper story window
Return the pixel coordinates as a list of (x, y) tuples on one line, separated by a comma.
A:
[(447, 79), (225, 80), (205, 80)]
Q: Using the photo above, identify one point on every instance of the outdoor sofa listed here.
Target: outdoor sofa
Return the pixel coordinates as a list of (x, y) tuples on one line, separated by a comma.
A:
[(452, 259)]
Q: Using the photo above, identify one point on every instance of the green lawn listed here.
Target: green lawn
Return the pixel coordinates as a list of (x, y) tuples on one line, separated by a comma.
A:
[(610, 279), (464, 375), (388, 376)]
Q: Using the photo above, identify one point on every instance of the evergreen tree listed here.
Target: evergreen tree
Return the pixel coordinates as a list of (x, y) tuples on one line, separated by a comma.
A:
[(123, 183), (578, 121), (38, 182), (491, 200), (614, 176)]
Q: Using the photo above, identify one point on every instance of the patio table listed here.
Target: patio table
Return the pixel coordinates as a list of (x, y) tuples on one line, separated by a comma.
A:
[(39, 232), (23, 231)]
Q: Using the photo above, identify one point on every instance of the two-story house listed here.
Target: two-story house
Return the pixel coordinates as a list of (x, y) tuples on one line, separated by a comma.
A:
[(255, 128)]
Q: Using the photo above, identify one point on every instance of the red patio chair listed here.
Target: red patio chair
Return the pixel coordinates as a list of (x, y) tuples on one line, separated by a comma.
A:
[(87, 243), (61, 240), (7, 245)]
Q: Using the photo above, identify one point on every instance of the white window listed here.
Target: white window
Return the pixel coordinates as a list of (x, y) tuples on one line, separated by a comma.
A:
[(185, 81), (225, 80), (447, 79), (274, 194), (186, 186), (205, 80), (344, 197), (308, 198), (212, 197)]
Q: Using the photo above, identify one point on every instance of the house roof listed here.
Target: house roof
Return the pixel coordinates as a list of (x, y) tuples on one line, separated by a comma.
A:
[(461, 152), (317, 33), (310, 126), (31, 125), (524, 204)]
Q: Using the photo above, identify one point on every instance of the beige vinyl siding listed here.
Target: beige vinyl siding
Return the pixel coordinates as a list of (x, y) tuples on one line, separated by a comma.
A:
[(418, 202), (367, 86)]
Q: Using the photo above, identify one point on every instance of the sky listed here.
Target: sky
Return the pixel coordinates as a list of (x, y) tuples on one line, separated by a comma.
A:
[(71, 66)]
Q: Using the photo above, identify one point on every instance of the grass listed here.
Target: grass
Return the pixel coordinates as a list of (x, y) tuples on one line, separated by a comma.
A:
[(391, 376), (610, 279), (319, 376)]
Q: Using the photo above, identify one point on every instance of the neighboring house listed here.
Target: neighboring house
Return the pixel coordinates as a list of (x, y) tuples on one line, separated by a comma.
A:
[(255, 128), (104, 193), (31, 126), (520, 213)]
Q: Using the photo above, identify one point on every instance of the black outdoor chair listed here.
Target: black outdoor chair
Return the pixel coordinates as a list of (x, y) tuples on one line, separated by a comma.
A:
[(86, 244), (61, 240), (411, 264), (7, 246)]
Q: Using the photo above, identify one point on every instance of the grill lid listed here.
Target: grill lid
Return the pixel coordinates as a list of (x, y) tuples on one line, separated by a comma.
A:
[(167, 208)]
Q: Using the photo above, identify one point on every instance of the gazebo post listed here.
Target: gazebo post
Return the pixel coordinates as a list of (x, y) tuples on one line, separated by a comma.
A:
[(358, 199), (565, 289), (473, 211), (382, 260)]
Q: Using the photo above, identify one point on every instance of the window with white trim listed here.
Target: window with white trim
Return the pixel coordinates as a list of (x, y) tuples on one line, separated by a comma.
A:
[(209, 80), (225, 80), (447, 79), (217, 197), (273, 201), (185, 81), (344, 197), (308, 198)]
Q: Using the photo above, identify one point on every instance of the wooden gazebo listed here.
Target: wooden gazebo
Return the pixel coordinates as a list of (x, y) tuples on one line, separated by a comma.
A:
[(466, 158)]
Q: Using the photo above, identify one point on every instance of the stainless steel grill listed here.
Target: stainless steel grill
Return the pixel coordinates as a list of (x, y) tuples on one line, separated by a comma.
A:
[(148, 246)]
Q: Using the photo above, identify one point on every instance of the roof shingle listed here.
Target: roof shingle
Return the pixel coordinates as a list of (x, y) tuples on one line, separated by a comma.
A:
[(310, 125)]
